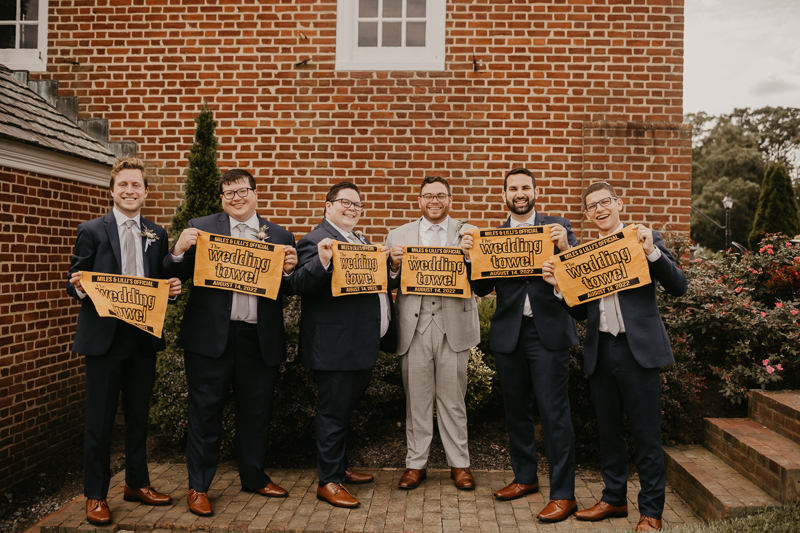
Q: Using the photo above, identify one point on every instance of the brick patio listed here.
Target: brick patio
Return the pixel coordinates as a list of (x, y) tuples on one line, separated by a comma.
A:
[(436, 506)]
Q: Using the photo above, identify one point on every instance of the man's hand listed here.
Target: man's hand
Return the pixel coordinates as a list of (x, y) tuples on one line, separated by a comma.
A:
[(325, 251), (289, 259), (645, 236), (174, 286), (548, 269), (187, 239), (559, 236), (466, 243), (396, 256), (75, 279)]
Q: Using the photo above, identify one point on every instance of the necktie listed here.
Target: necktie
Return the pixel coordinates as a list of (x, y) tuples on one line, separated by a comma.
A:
[(610, 304), (242, 303), (435, 240), (129, 250), (525, 225)]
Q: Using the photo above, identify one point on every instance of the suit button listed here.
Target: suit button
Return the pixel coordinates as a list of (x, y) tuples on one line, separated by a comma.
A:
[(416, 315), (433, 314)]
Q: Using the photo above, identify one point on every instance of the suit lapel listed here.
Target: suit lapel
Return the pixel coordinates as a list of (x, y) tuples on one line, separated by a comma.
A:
[(334, 233), (224, 224), (507, 223), (146, 249), (412, 237), (113, 237), (262, 222), (451, 232)]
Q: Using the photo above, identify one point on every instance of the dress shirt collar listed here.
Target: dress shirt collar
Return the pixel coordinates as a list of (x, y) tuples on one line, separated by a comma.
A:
[(122, 218), (425, 225), (344, 233), (251, 222), (530, 221), (619, 228)]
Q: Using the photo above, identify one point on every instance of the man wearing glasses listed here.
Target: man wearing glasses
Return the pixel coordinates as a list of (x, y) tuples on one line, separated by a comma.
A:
[(228, 339), (435, 334), (339, 339), (625, 344), (530, 337)]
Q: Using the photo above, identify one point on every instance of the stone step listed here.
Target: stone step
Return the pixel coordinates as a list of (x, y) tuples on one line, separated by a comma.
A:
[(711, 487), (767, 459), (777, 410)]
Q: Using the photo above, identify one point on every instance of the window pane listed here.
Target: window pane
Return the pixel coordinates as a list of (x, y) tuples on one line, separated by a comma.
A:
[(7, 36), (367, 34), (8, 10), (29, 10), (392, 34), (393, 9), (415, 34), (415, 8), (368, 8), (29, 36)]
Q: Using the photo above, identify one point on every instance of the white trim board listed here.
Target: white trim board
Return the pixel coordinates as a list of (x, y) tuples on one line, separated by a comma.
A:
[(29, 158)]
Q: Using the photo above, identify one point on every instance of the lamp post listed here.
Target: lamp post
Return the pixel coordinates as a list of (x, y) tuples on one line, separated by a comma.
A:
[(727, 203)]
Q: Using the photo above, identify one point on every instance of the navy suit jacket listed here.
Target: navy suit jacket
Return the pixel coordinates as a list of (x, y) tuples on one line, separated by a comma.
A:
[(341, 333), (97, 249), (554, 325), (644, 329), (207, 317)]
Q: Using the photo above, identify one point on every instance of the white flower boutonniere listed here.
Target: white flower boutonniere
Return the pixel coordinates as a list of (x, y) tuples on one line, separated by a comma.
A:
[(262, 234), (150, 235), (359, 235), (460, 229)]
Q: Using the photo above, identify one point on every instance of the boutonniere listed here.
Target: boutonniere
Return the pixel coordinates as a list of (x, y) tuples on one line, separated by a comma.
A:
[(262, 234), (359, 235), (150, 235), (460, 229)]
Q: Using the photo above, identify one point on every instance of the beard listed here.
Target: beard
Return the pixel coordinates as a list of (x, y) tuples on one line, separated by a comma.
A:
[(521, 210)]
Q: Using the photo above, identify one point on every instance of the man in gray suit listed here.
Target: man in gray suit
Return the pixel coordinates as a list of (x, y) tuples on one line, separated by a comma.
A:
[(435, 334)]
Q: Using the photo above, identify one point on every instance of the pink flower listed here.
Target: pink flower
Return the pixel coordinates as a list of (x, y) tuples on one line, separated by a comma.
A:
[(788, 245), (770, 251), (763, 313), (778, 367), (765, 362), (770, 370), (738, 290), (778, 305), (797, 259), (793, 311), (697, 260)]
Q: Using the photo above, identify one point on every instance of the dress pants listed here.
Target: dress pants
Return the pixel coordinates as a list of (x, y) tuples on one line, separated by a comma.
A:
[(339, 392), (129, 367), (621, 388), (210, 379), (433, 371), (531, 372)]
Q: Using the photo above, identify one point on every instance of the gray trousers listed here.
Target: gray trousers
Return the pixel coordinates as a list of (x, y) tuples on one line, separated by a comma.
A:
[(431, 370)]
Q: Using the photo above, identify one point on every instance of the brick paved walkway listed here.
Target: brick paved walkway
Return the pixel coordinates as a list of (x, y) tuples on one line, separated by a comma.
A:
[(436, 506)]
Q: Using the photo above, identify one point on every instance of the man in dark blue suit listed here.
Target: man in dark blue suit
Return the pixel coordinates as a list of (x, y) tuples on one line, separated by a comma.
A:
[(339, 339), (119, 356), (230, 338), (625, 344), (530, 337)]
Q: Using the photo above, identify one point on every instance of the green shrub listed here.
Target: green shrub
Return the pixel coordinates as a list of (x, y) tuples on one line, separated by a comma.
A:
[(479, 381)]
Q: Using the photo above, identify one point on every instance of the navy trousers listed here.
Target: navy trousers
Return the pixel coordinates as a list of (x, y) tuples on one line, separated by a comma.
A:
[(621, 388)]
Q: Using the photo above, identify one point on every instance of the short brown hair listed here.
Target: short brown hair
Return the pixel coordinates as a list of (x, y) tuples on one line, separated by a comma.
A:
[(434, 179), (598, 186), (235, 175), (519, 171), (128, 163), (334, 192)]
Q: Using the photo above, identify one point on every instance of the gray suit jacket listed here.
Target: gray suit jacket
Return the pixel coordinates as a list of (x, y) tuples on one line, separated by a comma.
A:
[(460, 314)]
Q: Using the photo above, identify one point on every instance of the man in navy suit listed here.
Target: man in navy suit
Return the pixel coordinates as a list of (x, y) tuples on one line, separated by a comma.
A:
[(625, 344), (230, 338), (339, 339), (530, 337), (119, 356)]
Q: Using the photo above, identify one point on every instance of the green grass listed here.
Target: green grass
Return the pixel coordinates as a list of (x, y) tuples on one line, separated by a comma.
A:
[(784, 519)]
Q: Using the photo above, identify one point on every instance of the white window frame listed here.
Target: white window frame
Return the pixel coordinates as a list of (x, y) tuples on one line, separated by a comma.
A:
[(349, 56), (34, 59)]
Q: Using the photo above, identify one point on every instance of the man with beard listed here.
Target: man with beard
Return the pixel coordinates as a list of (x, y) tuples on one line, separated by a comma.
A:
[(530, 336)]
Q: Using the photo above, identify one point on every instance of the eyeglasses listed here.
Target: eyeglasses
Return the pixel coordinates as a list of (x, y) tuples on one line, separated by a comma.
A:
[(429, 197), (347, 204), (228, 195), (605, 202)]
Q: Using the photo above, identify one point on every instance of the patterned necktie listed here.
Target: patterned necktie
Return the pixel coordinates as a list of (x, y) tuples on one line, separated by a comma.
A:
[(435, 240), (242, 303), (129, 252)]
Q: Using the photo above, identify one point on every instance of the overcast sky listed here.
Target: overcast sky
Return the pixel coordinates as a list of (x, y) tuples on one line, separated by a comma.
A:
[(741, 53)]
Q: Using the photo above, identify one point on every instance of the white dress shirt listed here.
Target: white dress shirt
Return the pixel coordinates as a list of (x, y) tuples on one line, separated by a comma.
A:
[(526, 308), (426, 231)]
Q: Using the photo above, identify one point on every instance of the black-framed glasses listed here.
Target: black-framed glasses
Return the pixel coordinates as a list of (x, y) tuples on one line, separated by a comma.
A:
[(429, 197), (243, 192), (605, 202), (347, 204)]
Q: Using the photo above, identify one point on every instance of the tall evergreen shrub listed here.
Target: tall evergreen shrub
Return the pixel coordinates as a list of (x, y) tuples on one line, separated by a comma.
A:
[(777, 207)]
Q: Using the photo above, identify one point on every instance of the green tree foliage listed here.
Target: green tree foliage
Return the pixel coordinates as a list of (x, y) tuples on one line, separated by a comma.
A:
[(777, 207), (778, 132), (745, 198), (728, 151)]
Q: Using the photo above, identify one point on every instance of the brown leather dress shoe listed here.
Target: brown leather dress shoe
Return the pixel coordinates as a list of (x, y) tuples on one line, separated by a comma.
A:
[(355, 478), (516, 490), (336, 495), (271, 490), (145, 495), (412, 478), (647, 523), (602, 510), (97, 512), (463, 478), (198, 503), (558, 510)]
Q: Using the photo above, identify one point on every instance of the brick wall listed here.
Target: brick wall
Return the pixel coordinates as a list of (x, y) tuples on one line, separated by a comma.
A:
[(546, 69), (41, 405)]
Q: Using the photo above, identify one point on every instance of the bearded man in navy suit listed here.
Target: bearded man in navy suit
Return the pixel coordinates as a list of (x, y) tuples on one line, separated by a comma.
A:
[(230, 338), (530, 337), (119, 356), (625, 345)]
